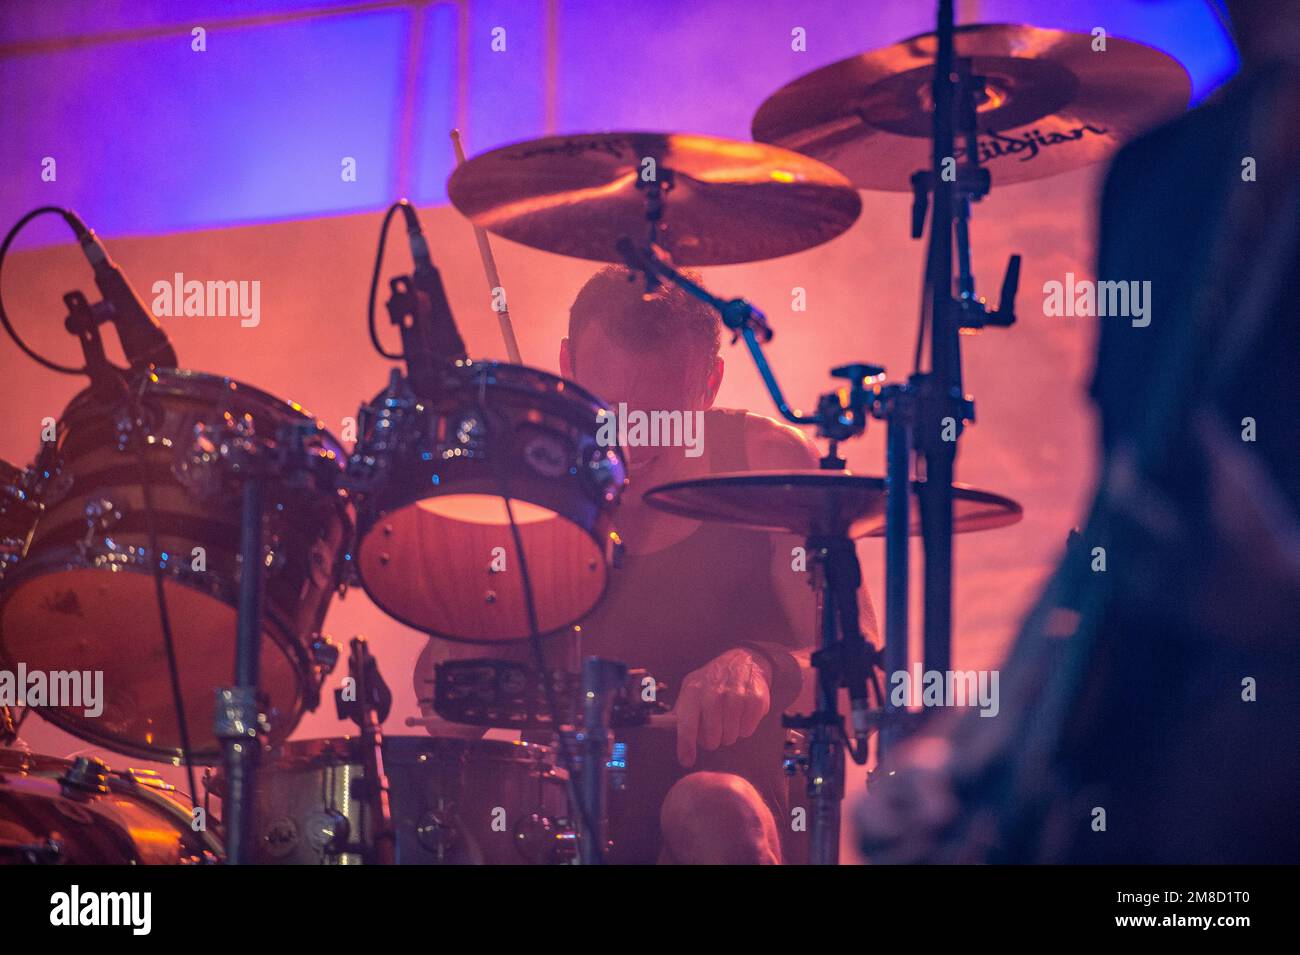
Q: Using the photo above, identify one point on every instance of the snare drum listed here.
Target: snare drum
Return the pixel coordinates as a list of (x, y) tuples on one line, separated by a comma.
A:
[(453, 802), (79, 812), (436, 549), (82, 597)]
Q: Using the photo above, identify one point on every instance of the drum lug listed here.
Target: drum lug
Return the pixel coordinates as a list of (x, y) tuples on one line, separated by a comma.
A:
[(329, 832), (436, 830), (86, 774), (198, 466), (380, 435), (102, 516), (324, 655), (123, 429), (52, 485), (239, 715)]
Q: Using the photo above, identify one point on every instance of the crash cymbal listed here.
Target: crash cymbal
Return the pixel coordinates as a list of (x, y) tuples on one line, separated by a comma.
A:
[(1051, 103), (724, 201), (811, 503)]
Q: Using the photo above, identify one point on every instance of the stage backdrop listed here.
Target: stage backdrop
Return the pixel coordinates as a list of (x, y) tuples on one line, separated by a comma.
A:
[(227, 164)]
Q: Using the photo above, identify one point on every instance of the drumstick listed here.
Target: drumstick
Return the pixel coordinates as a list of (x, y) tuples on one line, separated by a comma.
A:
[(490, 267)]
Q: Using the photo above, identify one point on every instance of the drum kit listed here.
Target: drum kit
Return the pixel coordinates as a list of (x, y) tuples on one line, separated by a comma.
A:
[(180, 527)]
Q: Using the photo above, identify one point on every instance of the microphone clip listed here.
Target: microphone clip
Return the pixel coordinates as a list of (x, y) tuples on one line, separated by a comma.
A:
[(83, 321)]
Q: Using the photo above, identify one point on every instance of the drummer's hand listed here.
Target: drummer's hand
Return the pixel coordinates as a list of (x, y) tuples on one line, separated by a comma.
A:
[(721, 702)]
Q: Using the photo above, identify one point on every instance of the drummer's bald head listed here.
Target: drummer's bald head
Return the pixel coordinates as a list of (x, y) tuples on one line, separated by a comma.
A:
[(666, 321)]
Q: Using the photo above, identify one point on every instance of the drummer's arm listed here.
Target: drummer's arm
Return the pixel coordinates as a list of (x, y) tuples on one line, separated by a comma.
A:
[(777, 447)]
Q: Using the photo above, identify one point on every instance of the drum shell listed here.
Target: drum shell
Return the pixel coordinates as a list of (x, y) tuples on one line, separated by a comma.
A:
[(94, 461), (136, 822), (307, 786), (535, 439)]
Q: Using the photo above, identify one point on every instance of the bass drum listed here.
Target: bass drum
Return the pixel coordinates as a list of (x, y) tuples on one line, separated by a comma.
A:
[(79, 812), (453, 802), (82, 595)]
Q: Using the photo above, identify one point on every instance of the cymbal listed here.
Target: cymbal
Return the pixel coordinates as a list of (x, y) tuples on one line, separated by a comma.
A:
[(725, 201), (811, 503), (1051, 103)]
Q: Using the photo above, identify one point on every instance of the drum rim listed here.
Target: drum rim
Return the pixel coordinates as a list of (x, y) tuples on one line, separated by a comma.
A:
[(121, 783), (173, 381), (525, 371)]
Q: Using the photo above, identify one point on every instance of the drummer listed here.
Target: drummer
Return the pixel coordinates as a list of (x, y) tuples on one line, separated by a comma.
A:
[(720, 614)]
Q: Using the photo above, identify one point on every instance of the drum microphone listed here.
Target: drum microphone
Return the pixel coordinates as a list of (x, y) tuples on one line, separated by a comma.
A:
[(143, 340), (443, 338)]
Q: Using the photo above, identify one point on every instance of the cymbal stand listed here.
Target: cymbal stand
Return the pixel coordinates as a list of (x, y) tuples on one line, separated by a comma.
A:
[(937, 409), (844, 657), (249, 460)]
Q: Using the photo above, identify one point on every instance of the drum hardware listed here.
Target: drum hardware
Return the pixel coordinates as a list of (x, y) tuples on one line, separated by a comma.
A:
[(295, 459), (18, 513), (829, 508), (940, 396), (139, 335), (844, 658), (417, 305), (131, 410), (453, 802), (97, 559), (860, 115), (80, 811), (368, 708), (581, 709), (601, 679)]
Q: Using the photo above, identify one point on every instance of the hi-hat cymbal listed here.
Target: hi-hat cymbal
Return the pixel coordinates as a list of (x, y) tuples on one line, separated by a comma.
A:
[(1051, 103), (724, 201), (812, 503)]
